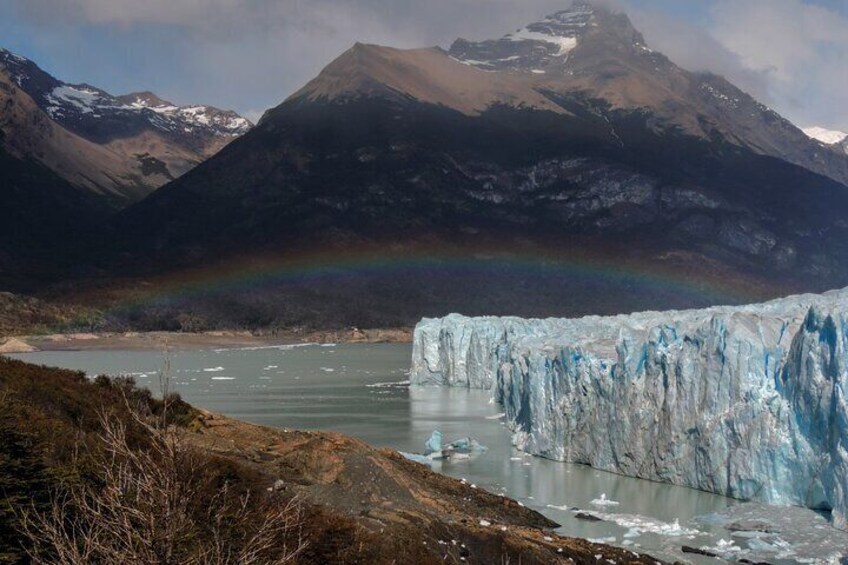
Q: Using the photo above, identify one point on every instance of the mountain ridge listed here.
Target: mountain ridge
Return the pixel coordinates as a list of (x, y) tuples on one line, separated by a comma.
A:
[(492, 184), (123, 147)]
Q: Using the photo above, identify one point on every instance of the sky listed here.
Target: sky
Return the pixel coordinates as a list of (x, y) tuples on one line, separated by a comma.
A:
[(249, 55)]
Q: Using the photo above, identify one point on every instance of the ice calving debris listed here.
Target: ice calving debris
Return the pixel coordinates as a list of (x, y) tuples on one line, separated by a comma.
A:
[(637, 525), (395, 384), (604, 501)]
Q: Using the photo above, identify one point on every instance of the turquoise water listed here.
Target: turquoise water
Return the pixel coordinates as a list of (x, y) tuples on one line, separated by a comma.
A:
[(363, 391)]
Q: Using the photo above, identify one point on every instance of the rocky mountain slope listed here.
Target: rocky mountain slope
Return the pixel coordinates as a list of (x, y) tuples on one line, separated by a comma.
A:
[(742, 401), (40, 214), (596, 53), (121, 148)]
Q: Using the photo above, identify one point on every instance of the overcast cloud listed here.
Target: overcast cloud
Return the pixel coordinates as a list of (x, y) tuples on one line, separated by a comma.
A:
[(250, 54)]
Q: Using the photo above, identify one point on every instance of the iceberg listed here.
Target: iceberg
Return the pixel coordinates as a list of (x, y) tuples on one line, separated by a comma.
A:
[(746, 401), (433, 443), (434, 450)]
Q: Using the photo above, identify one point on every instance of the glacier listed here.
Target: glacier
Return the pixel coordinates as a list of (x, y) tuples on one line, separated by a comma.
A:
[(745, 401)]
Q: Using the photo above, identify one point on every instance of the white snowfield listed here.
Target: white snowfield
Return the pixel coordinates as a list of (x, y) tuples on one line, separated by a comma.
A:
[(747, 401), (565, 44), (87, 100), (826, 136)]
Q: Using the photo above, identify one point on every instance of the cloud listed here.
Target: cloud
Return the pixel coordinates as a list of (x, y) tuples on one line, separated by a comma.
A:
[(694, 48), (250, 54), (802, 49)]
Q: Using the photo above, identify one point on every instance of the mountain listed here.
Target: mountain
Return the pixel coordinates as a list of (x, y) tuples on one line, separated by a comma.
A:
[(570, 137), (493, 168), (597, 53), (120, 147), (39, 212)]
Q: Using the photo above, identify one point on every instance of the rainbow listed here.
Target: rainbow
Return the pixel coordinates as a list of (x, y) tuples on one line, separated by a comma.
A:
[(699, 284)]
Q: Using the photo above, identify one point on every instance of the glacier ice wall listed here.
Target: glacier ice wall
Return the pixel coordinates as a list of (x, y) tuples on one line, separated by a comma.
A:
[(748, 402)]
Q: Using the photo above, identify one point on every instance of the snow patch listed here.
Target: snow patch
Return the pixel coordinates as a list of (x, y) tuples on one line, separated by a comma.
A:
[(565, 44), (826, 136)]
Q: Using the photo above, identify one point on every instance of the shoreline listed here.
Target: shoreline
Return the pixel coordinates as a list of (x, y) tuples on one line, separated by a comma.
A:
[(145, 341)]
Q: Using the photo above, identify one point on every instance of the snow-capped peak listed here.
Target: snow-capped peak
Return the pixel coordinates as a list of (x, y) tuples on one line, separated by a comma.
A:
[(531, 48), (561, 29), (6, 54), (81, 107), (826, 136)]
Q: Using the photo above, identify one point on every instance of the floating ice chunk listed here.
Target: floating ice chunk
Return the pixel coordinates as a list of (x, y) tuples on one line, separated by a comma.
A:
[(393, 384), (418, 458), (434, 443), (213, 370), (462, 448), (724, 548), (603, 501), (637, 525)]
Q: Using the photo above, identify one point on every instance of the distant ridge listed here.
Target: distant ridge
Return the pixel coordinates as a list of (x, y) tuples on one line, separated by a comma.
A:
[(121, 147)]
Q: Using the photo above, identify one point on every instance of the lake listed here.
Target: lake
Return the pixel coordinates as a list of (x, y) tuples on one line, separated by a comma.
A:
[(363, 391)]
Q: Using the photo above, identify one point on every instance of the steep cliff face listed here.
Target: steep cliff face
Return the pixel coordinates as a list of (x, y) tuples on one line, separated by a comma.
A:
[(747, 402)]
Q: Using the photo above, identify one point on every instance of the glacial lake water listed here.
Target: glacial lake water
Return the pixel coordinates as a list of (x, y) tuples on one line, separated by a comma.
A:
[(363, 391)]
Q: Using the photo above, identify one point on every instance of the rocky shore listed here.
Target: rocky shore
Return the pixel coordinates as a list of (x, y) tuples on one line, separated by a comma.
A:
[(186, 340)]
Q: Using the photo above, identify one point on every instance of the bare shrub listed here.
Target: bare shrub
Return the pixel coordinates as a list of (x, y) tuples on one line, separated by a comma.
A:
[(155, 503)]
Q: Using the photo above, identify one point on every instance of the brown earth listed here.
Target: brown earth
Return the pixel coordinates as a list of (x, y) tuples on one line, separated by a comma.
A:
[(395, 506)]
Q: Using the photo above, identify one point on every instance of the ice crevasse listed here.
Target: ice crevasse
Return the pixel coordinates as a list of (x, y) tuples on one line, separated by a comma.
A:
[(745, 401)]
